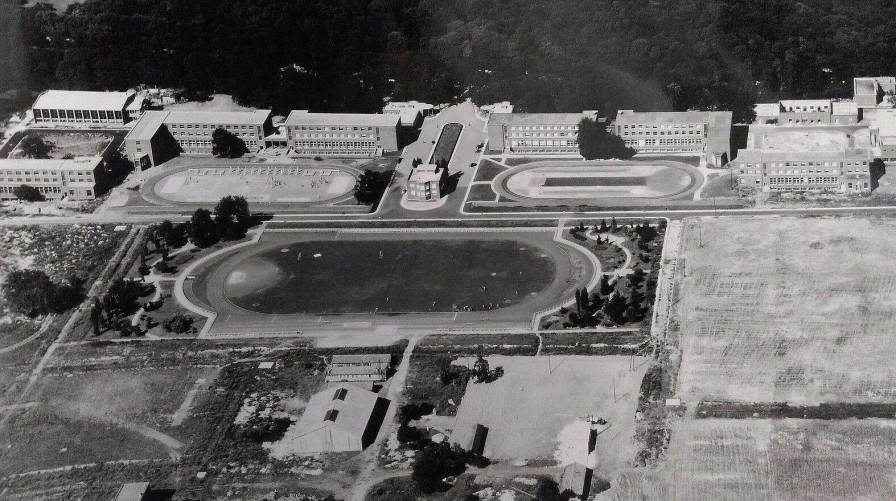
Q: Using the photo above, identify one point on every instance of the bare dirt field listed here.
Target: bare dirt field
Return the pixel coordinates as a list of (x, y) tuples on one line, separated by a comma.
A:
[(540, 407), (765, 460), (788, 310), (219, 102)]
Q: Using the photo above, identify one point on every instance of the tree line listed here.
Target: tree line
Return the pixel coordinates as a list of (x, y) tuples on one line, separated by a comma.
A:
[(346, 55)]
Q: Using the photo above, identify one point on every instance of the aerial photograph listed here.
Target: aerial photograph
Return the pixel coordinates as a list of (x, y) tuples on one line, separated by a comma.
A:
[(447, 250)]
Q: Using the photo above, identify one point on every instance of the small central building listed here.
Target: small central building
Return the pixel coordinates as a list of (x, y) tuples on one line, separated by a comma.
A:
[(427, 183)]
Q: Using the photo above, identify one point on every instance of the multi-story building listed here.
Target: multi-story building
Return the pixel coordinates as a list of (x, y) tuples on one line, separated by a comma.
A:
[(844, 112), (700, 132), (805, 111), (411, 112), (427, 183), (846, 171), (541, 133), (870, 92), (341, 134), (83, 108), (190, 132), (71, 179)]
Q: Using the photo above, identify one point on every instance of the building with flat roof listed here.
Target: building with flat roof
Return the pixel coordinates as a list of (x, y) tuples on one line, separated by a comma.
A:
[(85, 108), (502, 107), (135, 491), (845, 171), (882, 128), (340, 419), (426, 183), (157, 133), (411, 112), (844, 112), (541, 133), (341, 134), (869, 92), (704, 133), (72, 179)]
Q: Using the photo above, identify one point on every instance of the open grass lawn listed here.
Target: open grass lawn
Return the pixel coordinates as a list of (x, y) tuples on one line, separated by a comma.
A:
[(389, 276), (447, 141), (487, 170), (753, 460), (481, 193), (98, 416), (795, 310), (76, 144)]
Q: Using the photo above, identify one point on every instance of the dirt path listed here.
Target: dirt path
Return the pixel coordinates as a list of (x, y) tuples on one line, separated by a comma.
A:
[(43, 328), (184, 410), (369, 475)]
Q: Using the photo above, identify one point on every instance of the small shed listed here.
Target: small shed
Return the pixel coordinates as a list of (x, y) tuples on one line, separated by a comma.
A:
[(135, 491)]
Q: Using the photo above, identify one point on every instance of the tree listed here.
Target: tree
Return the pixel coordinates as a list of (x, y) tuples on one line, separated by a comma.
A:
[(28, 193), (122, 296), (116, 167), (371, 185), (232, 217), (178, 323), (202, 229), (29, 291), (547, 490), (435, 462), (480, 369), (595, 142), (615, 308), (605, 288), (173, 236), (227, 145), (33, 146), (416, 162)]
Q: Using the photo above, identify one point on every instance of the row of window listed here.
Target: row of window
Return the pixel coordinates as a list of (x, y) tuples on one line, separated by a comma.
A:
[(570, 143), (46, 190), (663, 133), (856, 163), (539, 134), (95, 115), (209, 127), (670, 144), (804, 180), (542, 127), (333, 136), (663, 126), (328, 128), (342, 145)]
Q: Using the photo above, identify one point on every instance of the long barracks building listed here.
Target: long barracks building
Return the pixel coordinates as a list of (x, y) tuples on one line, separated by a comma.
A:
[(72, 179), (190, 132), (341, 134), (845, 171), (542, 133), (701, 132), (84, 108)]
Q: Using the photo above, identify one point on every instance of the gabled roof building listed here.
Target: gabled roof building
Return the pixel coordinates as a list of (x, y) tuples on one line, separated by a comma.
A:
[(339, 419)]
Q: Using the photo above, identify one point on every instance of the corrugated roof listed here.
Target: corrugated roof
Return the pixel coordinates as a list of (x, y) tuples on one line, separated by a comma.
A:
[(354, 411), (303, 117), (82, 100), (347, 370), (361, 359), (536, 118), (132, 492)]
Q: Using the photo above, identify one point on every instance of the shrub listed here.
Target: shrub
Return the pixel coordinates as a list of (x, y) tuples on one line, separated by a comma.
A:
[(28, 193), (178, 323)]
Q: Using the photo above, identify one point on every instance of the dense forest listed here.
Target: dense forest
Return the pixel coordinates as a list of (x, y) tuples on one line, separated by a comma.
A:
[(542, 55)]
